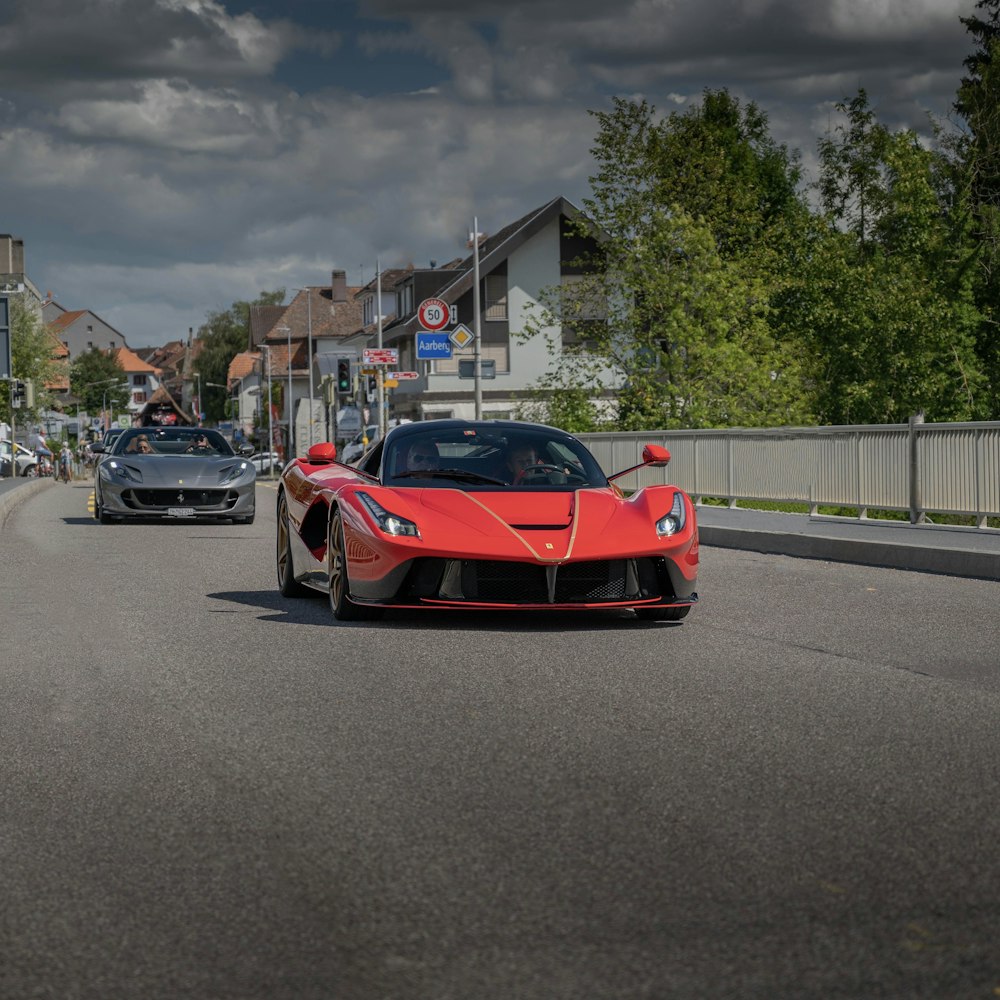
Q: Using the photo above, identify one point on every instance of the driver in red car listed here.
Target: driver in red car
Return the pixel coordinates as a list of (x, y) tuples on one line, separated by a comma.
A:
[(519, 458), (421, 455)]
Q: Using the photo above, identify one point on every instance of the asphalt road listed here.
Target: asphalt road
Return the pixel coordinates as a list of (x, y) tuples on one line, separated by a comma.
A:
[(208, 791)]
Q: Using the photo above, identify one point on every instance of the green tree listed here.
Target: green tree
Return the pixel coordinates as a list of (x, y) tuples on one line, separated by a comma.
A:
[(978, 102), (224, 335), (96, 377), (885, 289), (32, 358), (674, 314)]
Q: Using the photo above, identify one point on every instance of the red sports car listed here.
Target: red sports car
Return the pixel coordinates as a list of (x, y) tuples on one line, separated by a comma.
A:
[(485, 515)]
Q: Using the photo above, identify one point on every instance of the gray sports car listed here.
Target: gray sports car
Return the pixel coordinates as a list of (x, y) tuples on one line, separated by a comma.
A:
[(175, 473)]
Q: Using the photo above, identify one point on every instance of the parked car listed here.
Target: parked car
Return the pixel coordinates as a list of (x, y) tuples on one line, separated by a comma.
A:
[(109, 436), (262, 462), (359, 444), (494, 515), (364, 440), (26, 461)]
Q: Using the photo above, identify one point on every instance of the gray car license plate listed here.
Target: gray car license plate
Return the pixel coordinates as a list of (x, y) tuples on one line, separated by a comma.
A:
[(180, 512)]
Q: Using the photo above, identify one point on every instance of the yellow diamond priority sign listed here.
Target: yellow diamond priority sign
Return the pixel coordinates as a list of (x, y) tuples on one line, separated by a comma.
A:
[(461, 336)]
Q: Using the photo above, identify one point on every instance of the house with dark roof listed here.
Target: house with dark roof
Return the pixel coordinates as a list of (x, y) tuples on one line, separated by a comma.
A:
[(321, 317), (539, 251)]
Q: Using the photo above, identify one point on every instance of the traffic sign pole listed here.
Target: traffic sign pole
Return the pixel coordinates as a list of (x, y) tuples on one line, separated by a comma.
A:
[(381, 383), (476, 319)]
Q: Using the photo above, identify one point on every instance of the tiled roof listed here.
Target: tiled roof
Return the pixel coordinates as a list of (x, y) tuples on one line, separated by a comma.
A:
[(242, 365), (131, 362), (67, 319), (262, 319), (316, 311)]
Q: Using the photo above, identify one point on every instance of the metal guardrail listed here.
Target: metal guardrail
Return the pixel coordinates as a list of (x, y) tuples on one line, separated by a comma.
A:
[(916, 467)]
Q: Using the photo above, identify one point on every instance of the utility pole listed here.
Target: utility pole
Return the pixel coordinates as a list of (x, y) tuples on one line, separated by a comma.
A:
[(309, 360), (477, 321), (380, 369)]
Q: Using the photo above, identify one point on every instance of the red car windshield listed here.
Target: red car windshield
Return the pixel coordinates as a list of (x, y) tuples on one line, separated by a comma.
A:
[(478, 457)]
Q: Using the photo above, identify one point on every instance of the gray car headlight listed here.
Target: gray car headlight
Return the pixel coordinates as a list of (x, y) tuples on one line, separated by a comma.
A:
[(233, 473), (391, 524), (673, 522), (112, 470)]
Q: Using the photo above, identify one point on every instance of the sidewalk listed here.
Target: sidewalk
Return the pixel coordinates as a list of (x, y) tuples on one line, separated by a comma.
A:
[(926, 548), (15, 490)]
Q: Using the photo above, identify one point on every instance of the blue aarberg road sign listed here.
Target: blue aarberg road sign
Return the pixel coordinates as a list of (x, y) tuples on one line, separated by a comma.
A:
[(433, 346)]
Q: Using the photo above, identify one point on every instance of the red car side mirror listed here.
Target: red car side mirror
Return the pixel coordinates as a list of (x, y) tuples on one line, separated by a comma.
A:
[(655, 454), (322, 453)]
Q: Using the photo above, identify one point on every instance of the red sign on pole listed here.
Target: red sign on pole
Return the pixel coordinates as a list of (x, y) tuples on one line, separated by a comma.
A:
[(434, 314), (380, 356), (402, 376)]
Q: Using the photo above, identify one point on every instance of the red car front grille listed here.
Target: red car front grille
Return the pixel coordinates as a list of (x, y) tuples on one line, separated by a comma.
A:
[(500, 582)]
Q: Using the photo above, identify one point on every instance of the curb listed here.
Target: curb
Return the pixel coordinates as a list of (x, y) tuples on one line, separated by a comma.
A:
[(11, 498), (892, 555)]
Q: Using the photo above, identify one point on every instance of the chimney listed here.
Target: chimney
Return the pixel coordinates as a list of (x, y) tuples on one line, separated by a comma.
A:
[(338, 286)]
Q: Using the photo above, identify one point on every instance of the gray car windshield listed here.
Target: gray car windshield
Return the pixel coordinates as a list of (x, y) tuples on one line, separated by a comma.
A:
[(193, 442)]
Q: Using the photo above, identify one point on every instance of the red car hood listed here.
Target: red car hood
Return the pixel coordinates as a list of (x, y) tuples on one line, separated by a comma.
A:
[(549, 526)]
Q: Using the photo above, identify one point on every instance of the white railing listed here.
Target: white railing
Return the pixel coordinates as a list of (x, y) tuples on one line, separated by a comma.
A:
[(919, 468)]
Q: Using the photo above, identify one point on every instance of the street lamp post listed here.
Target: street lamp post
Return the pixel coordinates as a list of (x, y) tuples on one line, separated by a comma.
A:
[(270, 431), (106, 423), (477, 323), (197, 414), (309, 355), (288, 330), (235, 410)]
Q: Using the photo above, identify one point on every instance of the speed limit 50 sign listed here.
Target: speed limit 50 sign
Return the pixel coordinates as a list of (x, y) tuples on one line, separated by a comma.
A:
[(434, 314)]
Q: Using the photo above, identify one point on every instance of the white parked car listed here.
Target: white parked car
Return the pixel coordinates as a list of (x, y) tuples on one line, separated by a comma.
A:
[(356, 447), (359, 444), (26, 461), (262, 462)]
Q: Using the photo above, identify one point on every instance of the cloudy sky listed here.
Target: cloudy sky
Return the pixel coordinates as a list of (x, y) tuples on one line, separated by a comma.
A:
[(165, 158)]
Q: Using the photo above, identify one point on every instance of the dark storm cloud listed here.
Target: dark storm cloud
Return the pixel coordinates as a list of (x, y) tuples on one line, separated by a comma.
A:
[(160, 164), (48, 43)]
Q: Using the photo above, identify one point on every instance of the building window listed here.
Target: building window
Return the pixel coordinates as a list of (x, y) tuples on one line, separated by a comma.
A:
[(500, 353), (139, 380), (138, 397), (496, 298), (368, 311), (584, 310)]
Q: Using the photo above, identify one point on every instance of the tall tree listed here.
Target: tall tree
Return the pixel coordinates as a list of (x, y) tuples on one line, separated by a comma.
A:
[(675, 311), (885, 289), (224, 335), (31, 351), (978, 102), (96, 377)]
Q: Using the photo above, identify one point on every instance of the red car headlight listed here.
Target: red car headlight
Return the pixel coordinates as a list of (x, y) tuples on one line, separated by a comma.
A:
[(391, 524), (674, 521)]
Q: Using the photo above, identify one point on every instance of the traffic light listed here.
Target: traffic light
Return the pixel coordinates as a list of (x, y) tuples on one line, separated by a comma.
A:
[(345, 378), (371, 388), (17, 393)]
